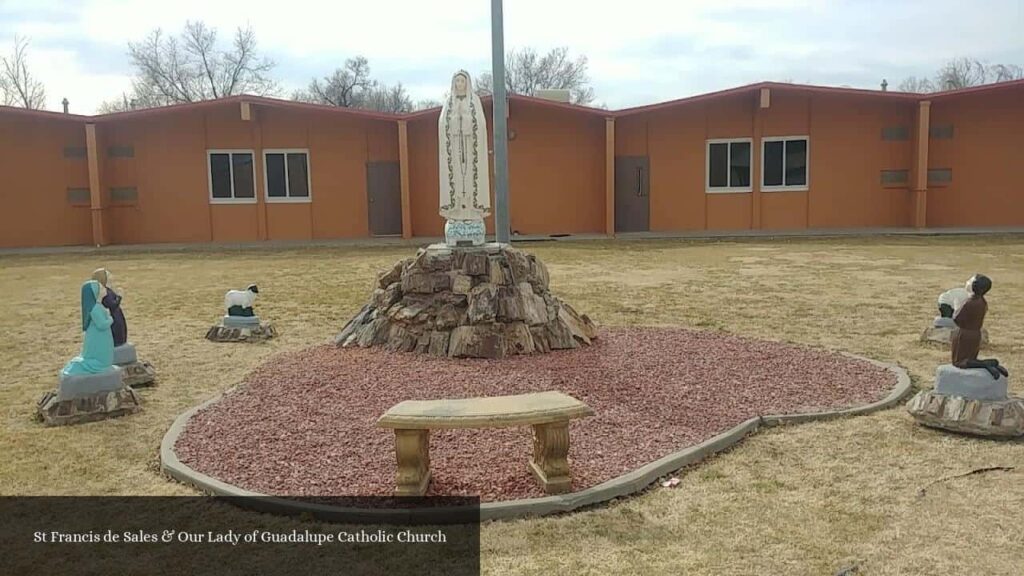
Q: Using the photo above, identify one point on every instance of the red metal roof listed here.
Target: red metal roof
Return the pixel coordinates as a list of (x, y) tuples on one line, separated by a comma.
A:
[(369, 114), (757, 87), (42, 114), (561, 105), (259, 100), (905, 96), (520, 98), (974, 90)]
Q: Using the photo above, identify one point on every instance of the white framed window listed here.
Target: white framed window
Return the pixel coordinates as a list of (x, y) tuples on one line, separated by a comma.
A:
[(785, 163), (727, 163), (232, 176), (286, 174)]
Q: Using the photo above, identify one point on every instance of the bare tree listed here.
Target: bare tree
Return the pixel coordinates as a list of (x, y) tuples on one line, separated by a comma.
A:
[(6, 94), (193, 68), (1005, 72), (917, 85), (427, 104), (526, 72), (122, 104), (18, 87), (963, 73), (347, 87), (393, 99), (352, 87)]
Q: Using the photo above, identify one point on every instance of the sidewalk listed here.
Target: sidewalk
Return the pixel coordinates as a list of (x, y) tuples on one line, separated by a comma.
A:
[(425, 240)]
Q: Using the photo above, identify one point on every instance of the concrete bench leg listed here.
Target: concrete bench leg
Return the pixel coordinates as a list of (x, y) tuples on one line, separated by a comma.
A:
[(413, 450), (550, 462)]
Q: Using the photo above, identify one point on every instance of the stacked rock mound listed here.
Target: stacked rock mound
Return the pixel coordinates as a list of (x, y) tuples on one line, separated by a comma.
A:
[(487, 301)]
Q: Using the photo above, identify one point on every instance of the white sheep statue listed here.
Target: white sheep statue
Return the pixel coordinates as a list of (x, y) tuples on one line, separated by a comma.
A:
[(951, 300), (239, 302)]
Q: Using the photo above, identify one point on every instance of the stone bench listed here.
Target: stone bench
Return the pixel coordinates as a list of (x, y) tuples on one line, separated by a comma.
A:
[(548, 412)]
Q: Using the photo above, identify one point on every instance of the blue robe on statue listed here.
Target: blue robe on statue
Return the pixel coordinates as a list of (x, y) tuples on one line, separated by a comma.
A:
[(98, 349)]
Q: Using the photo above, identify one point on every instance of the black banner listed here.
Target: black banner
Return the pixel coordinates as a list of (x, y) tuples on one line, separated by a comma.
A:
[(115, 535)]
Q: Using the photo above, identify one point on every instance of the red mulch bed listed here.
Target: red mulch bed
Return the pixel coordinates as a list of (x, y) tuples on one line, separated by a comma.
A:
[(303, 423)]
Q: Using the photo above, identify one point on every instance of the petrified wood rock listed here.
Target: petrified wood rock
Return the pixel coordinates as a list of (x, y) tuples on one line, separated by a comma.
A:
[(256, 332), (54, 411), (996, 418), (487, 301)]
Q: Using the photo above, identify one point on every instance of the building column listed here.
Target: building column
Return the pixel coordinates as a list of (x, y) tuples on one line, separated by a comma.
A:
[(99, 229), (403, 168), (609, 176), (248, 114), (921, 169), (764, 102)]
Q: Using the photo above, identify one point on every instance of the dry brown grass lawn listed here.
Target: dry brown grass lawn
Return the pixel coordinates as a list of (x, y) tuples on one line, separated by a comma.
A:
[(800, 500)]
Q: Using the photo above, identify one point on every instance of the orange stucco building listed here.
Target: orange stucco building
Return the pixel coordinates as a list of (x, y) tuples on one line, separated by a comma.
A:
[(762, 157)]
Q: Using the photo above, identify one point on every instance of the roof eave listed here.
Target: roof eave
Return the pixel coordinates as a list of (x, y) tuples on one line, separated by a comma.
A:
[(47, 114), (252, 100), (996, 86)]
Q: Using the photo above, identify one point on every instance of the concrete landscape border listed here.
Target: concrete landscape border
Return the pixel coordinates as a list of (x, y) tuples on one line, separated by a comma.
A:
[(626, 484)]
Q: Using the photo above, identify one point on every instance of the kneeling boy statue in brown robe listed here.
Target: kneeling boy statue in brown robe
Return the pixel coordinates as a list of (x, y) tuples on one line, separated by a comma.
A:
[(967, 335)]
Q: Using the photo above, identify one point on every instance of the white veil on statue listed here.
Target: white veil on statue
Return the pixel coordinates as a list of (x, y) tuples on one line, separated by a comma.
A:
[(464, 164)]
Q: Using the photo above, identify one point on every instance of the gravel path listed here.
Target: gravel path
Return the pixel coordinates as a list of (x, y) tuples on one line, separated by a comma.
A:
[(303, 424)]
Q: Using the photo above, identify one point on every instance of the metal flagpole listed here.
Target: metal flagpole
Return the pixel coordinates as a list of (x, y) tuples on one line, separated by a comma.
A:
[(500, 121)]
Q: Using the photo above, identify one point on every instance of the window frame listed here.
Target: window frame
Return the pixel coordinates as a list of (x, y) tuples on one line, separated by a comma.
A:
[(807, 160), (231, 165), (85, 202), (707, 166), (288, 198), (901, 185), (936, 183)]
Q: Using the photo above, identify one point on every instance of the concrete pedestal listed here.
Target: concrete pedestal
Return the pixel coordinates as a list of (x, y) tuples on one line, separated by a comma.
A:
[(240, 321), (974, 383), (136, 372), (84, 385), (125, 354), (465, 232), (944, 334)]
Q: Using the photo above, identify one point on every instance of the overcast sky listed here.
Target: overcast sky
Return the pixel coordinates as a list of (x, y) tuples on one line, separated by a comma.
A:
[(639, 51)]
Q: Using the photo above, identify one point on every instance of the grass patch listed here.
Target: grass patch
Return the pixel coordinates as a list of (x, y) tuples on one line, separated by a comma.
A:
[(794, 500)]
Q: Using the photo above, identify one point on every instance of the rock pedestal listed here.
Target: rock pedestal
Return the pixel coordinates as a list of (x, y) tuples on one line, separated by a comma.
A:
[(487, 301), (87, 398), (969, 401), (241, 329), (136, 373)]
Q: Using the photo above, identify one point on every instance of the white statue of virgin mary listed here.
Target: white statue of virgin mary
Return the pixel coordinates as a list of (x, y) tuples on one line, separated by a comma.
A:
[(464, 167)]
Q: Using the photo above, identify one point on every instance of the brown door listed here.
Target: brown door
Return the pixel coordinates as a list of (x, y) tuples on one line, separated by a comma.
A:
[(384, 195), (632, 194)]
